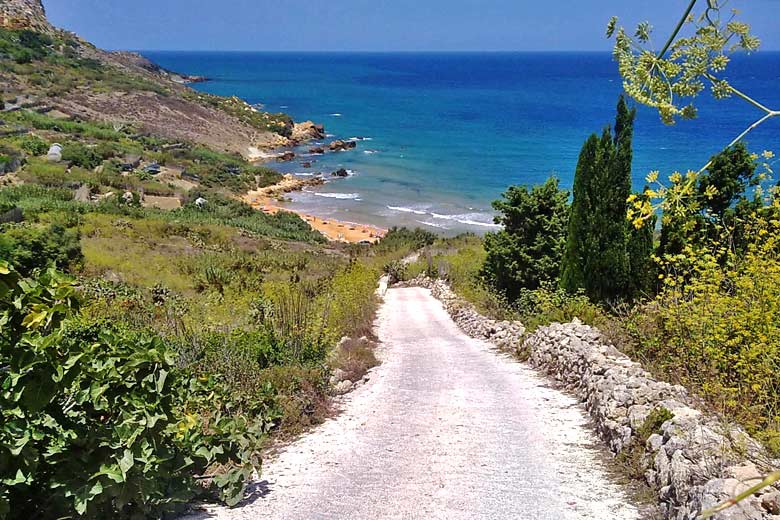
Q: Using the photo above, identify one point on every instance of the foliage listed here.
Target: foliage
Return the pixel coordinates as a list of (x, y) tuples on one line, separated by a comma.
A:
[(711, 326), (527, 252), (718, 197), (399, 238), (685, 65), (597, 258), (352, 300), (715, 327), (143, 428), (29, 247), (80, 155), (550, 304), (33, 145)]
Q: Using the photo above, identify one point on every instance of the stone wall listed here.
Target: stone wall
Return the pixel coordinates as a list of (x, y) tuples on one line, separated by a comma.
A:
[(693, 461)]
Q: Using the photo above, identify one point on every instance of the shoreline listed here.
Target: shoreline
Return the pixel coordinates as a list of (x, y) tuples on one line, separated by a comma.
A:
[(264, 199)]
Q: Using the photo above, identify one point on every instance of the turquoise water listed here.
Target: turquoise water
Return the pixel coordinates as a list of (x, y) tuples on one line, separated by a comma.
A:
[(445, 134)]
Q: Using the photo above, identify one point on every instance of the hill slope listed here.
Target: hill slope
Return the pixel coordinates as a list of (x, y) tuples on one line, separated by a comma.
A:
[(51, 68)]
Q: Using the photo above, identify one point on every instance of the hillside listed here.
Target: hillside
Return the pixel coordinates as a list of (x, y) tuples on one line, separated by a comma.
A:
[(178, 330), (48, 68)]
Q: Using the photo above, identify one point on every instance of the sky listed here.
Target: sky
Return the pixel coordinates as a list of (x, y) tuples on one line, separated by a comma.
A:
[(376, 25)]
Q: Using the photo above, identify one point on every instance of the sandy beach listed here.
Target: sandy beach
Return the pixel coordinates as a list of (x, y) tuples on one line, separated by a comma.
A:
[(265, 200)]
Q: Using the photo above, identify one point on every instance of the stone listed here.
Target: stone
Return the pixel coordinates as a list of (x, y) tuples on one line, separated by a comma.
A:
[(341, 172), (340, 145), (747, 473), (307, 130), (317, 150), (286, 156), (771, 502), (343, 387)]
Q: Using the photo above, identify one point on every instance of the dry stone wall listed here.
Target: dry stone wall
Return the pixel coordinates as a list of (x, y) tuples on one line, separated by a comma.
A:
[(693, 460)]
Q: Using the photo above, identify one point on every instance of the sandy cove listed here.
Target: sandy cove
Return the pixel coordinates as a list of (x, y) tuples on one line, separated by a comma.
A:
[(264, 199)]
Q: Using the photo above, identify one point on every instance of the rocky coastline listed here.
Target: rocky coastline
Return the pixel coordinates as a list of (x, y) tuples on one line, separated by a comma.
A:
[(691, 460)]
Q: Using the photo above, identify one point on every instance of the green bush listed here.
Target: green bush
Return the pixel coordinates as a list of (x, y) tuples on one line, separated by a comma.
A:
[(551, 304), (81, 155), (714, 328), (29, 246), (33, 145), (528, 251), (99, 422)]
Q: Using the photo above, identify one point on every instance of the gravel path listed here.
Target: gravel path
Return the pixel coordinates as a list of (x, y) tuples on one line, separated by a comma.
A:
[(445, 428)]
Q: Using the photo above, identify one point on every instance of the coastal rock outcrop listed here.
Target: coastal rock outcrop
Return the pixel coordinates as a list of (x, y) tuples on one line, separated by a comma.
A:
[(341, 172), (307, 130), (692, 460), (317, 150), (340, 145), (286, 156)]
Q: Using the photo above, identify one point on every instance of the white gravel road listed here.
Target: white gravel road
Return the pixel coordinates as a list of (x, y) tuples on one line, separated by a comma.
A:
[(446, 428)]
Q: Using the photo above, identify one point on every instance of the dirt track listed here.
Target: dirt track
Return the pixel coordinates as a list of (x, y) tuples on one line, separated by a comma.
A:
[(445, 428)]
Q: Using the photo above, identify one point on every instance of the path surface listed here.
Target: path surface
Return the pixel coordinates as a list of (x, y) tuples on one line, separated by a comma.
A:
[(446, 428)]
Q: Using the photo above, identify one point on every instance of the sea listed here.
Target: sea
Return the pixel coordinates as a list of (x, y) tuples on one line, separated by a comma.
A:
[(442, 135)]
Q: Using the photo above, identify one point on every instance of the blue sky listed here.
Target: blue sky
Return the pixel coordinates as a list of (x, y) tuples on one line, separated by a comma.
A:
[(375, 25)]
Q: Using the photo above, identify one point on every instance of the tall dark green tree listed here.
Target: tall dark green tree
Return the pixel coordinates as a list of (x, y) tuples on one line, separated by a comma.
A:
[(529, 248), (600, 241)]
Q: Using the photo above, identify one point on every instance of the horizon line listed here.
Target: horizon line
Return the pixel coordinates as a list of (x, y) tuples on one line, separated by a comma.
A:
[(336, 51)]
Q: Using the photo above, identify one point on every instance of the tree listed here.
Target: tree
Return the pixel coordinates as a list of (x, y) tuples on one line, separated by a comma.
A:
[(598, 258), (720, 196), (528, 250)]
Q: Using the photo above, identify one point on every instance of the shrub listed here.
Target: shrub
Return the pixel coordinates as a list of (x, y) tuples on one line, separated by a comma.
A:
[(550, 304), (99, 422), (81, 155), (352, 301), (33, 145), (29, 246), (528, 251), (715, 329)]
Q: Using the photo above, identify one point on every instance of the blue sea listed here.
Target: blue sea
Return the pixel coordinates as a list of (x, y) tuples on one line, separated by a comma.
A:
[(440, 136)]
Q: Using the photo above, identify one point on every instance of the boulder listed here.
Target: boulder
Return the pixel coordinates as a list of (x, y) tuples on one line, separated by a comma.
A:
[(287, 156), (343, 387), (341, 172), (317, 150), (306, 164), (340, 146), (307, 130)]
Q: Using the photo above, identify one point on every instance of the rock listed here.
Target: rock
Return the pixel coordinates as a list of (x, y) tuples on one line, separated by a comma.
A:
[(82, 194), (55, 153), (340, 146), (306, 164), (338, 376), (343, 387), (771, 502), (24, 14), (341, 172), (286, 156), (317, 150), (307, 130), (747, 473)]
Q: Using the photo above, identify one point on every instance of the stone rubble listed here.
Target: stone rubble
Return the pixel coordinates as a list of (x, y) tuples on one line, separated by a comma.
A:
[(693, 462)]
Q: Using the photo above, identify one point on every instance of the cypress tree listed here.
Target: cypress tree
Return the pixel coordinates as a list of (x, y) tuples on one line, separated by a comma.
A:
[(598, 258)]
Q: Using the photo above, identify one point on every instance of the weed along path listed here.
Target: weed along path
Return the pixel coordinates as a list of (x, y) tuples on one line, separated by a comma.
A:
[(446, 428)]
